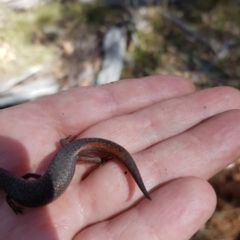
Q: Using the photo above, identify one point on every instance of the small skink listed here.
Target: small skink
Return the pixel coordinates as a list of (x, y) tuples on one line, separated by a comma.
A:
[(44, 189)]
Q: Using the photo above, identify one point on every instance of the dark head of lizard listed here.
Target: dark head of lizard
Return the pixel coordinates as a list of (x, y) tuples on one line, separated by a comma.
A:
[(44, 189)]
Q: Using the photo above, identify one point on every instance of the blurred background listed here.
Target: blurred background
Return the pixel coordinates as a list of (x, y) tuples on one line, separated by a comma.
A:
[(49, 46)]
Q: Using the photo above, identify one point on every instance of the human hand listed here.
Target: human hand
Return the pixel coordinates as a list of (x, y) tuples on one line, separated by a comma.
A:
[(178, 138)]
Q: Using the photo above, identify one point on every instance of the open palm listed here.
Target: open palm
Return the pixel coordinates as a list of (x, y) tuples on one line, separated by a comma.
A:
[(178, 137)]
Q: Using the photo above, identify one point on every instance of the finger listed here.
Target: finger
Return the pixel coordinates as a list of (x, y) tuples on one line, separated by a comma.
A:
[(201, 151), (165, 119), (91, 105), (74, 110), (177, 211)]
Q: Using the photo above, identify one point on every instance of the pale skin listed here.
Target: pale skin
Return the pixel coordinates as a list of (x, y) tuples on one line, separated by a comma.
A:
[(178, 137)]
